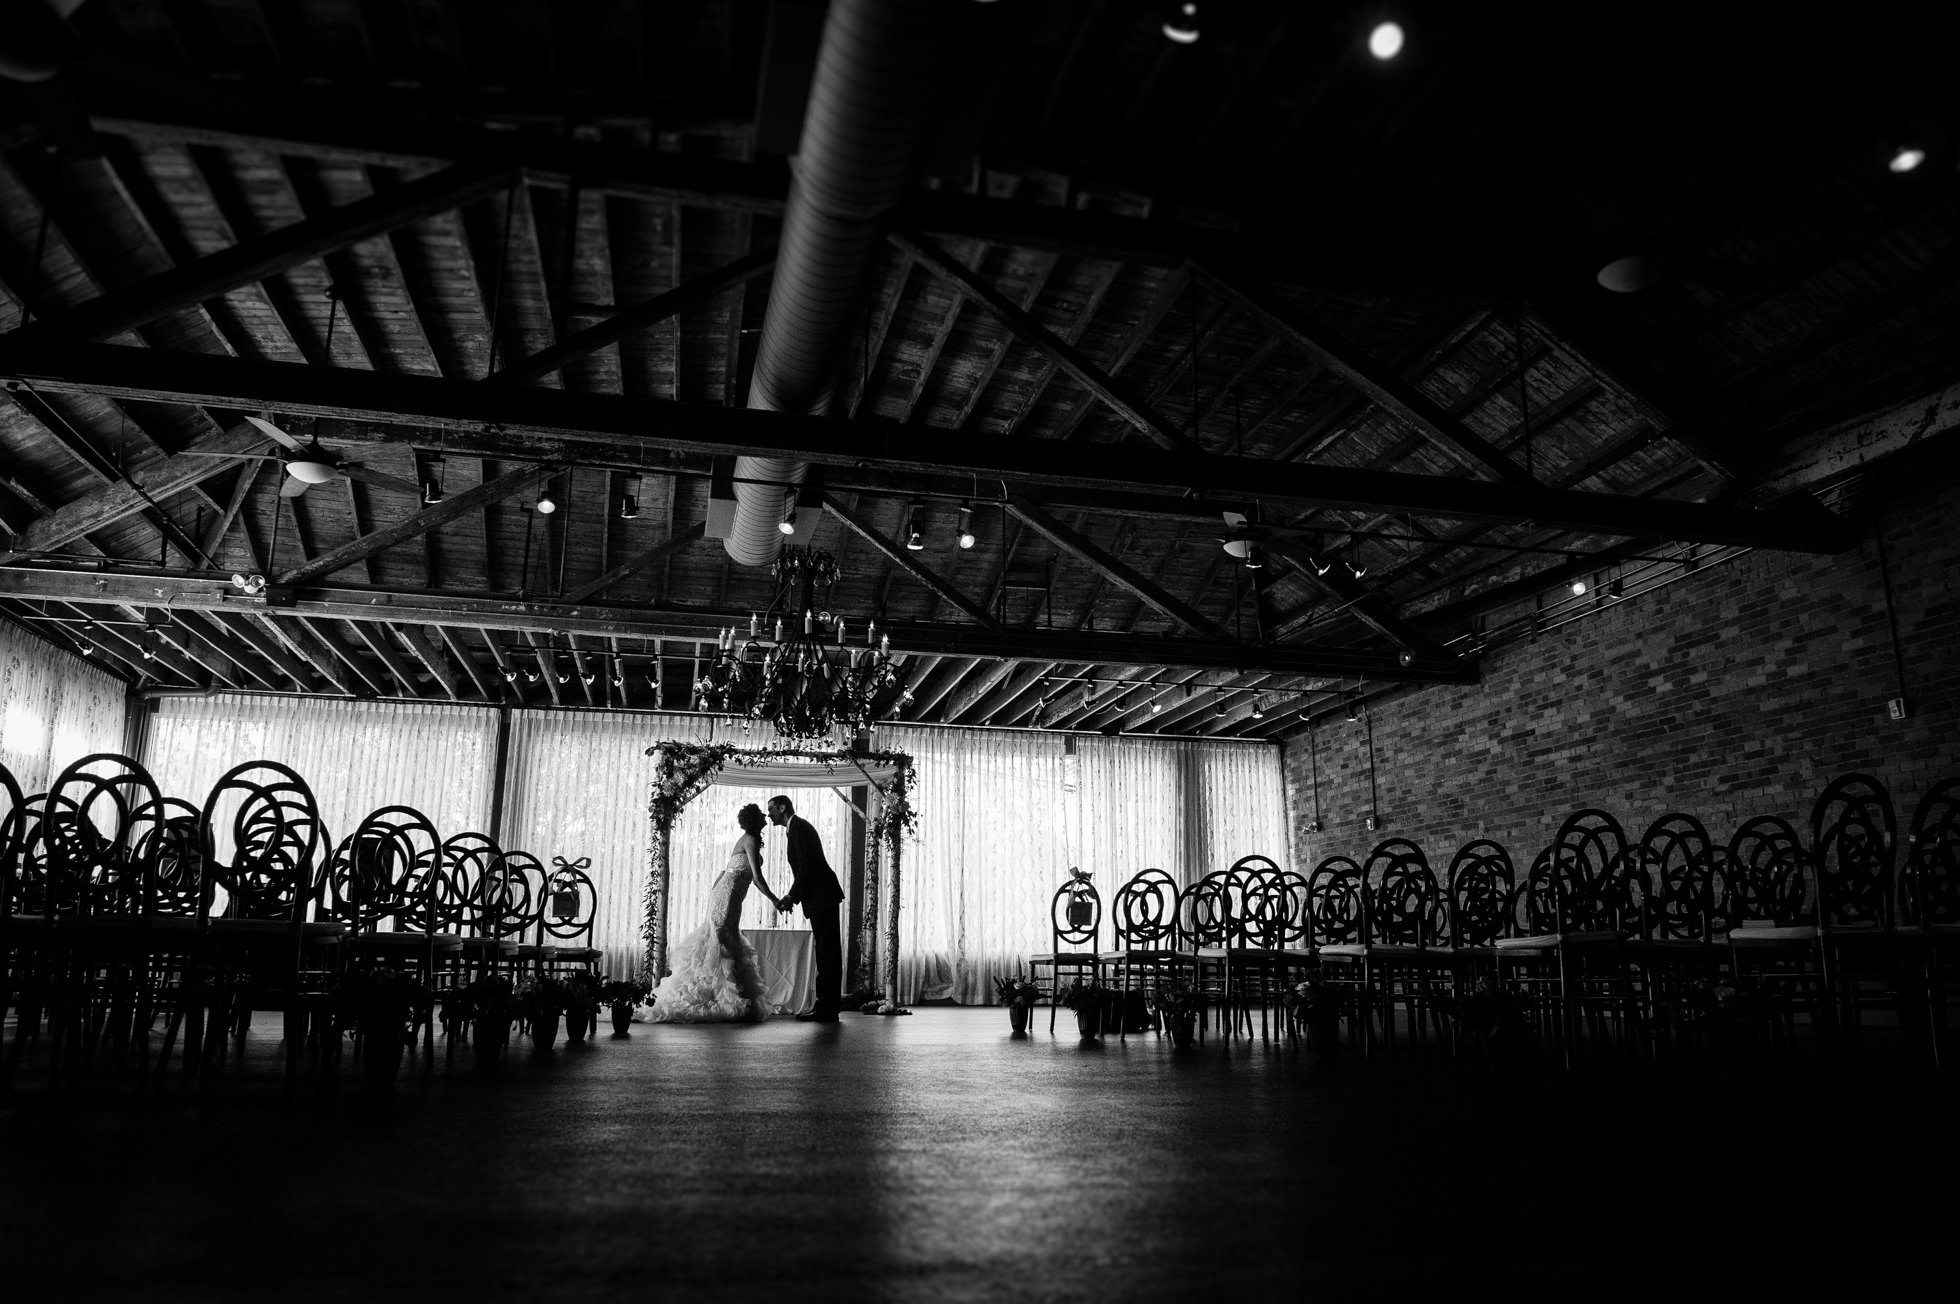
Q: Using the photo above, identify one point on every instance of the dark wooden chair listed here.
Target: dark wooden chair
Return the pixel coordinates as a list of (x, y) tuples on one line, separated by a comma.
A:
[(1338, 932), (1143, 923), (1075, 925), (567, 918), (1929, 903)]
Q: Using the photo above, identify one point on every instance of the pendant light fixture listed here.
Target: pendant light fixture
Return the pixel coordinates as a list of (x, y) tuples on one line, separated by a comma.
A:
[(915, 539), (432, 480), (967, 537), (629, 497)]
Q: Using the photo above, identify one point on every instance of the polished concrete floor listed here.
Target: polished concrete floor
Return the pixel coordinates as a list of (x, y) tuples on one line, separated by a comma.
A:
[(937, 1158)]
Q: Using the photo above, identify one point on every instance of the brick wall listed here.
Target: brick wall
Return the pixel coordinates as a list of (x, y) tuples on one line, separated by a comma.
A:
[(1734, 693)]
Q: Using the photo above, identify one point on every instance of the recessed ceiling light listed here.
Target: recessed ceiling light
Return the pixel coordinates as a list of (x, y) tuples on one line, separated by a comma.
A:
[(1906, 158), (1385, 42)]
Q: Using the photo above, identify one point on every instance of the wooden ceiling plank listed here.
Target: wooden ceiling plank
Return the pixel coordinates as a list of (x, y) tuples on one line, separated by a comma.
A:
[(364, 547), (267, 255), (431, 656), (453, 640), (330, 638), (621, 324), (375, 635), (1171, 607), (242, 627), (1031, 332), (1381, 384), (639, 561), (903, 558), (298, 636)]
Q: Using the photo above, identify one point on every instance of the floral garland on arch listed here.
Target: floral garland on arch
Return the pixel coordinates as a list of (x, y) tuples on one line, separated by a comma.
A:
[(682, 771)]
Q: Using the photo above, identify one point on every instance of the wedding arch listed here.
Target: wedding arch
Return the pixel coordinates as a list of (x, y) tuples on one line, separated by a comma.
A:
[(683, 771)]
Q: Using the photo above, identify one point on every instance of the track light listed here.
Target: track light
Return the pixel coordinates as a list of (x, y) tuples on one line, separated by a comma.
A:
[(510, 675), (915, 540), (1182, 25), (587, 678), (1385, 42), (1407, 658), (629, 498), (1218, 712), (532, 676), (84, 647), (1354, 713), (787, 526), (1357, 571), (1615, 589), (619, 681), (1156, 707), (1322, 567), (546, 503), (1906, 158), (967, 539), (1578, 588), (432, 481), (1258, 708), (149, 644), (1254, 560)]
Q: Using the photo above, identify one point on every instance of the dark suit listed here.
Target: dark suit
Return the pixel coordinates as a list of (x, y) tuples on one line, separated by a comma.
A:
[(817, 890)]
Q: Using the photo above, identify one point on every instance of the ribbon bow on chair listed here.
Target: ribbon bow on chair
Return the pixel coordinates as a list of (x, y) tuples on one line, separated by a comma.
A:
[(582, 863), (565, 900)]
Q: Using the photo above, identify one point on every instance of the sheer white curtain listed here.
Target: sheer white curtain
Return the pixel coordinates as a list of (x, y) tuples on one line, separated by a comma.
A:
[(55, 709), (992, 844), (998, 831), (578, 787), (356, 756)]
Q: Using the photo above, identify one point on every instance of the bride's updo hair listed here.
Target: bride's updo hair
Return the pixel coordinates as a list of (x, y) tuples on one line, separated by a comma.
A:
[(750, 818)]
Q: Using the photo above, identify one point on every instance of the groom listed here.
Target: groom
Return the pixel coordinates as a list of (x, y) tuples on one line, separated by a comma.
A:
[(816, 888)]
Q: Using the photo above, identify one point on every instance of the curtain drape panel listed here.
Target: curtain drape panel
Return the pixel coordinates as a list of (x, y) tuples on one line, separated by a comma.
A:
[(999, 828), (998, 822), (55, 708)]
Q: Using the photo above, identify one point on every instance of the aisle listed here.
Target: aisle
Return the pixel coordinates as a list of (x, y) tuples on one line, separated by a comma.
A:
[(928, 1157)]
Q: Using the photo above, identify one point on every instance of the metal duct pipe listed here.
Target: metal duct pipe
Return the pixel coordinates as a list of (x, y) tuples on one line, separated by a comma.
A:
[(867, 126)]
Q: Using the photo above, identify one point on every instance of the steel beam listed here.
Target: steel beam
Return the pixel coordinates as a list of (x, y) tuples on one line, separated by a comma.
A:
[(425, 402)]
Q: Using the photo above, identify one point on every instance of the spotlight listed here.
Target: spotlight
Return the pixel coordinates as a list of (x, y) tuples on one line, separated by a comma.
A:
[(510, 675), (432, 481), (1407, 658), (1156, 707), (1218, 712), (967, 539), (1578, 588), (915, 540), (1385, 42), (1189, 689), (532, 676), (1356, 571), (251, 585), (1906, 158), (619, 681), (629, 498), (1258, 708), (546, 503), (150, 642), (84, 647), (1322, 567), (587, 678), (1253, 559), (1354, 713), (563, 677), (787, 525), (1182, 25), (1615, 589)]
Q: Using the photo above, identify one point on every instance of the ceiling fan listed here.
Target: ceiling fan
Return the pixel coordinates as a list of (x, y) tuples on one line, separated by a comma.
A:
[(310, 463)]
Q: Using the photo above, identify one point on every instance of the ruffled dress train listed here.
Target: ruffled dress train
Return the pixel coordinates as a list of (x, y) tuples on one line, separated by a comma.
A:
[(714, 978)]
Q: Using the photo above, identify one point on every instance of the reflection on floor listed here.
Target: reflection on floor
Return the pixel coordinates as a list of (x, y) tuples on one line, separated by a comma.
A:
[(935, 1157)]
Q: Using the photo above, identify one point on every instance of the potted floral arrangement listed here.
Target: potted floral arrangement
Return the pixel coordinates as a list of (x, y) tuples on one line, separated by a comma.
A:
[(1492, 1016), (383, 1006), (1088, 1000), (1178, 1004), (622, 996), (581, 1005), (1018, 995), (485, 1008), (541, 1002), (1315, 1004)]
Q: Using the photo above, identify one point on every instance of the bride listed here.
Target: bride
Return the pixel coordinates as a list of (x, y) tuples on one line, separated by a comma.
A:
[(715, 978)]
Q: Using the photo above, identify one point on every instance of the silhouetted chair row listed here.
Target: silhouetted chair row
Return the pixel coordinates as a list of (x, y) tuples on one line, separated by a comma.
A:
[(1605, 943), (124, 906)]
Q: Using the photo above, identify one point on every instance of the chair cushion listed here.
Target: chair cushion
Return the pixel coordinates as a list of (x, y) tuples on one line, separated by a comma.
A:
[(313, 931), (1345, 951), (1535, 942), (1785, 934), (1212, 953)]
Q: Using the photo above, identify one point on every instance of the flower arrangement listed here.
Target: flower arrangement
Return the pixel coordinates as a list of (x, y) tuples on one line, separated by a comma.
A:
[(543, 999), (1177, 1000), (1016, 990), (682, 769), (582, 992), (1080, 996), (1313, 1000), (625, 992), (883, 1007), (488, 998), (382, 1001)]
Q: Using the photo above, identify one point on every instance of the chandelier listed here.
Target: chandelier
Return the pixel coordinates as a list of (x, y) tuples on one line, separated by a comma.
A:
[(803, 680)]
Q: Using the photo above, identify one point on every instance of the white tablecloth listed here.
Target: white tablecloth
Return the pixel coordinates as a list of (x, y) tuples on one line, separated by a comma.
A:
[(788, 967)]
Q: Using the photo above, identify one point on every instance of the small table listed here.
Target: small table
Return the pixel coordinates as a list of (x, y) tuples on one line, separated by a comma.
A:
[(787, 965)]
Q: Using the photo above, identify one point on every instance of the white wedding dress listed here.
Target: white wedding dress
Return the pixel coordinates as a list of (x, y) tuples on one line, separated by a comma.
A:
[(714, 978)]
